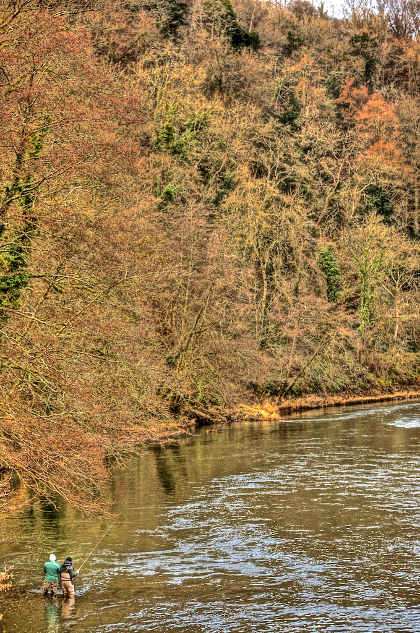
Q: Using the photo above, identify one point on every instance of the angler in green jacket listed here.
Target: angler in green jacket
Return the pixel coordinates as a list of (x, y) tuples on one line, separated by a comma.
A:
[(51, 577)]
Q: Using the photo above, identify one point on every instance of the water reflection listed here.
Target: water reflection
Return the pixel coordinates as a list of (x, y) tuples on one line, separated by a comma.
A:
[(164, 470), (306, 525), (58, 612), (52, 616), (67, 608)]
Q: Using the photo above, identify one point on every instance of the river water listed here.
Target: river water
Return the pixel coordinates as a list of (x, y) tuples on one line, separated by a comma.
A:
[(309, 524)]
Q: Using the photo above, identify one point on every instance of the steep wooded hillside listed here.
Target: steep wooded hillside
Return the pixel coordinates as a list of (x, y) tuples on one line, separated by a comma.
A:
[(201, 204)]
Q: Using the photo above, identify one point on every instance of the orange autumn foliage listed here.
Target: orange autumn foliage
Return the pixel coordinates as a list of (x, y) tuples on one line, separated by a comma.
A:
[(376, 114), (352, 98)]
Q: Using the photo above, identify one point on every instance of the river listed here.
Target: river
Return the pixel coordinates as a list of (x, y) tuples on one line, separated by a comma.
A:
[(309, 524)]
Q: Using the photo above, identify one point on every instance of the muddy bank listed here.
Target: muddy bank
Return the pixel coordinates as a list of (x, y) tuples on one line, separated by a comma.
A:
[(271, 410)]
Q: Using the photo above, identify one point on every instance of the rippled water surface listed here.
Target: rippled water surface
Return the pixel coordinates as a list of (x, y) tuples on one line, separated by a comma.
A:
[(309, 524)]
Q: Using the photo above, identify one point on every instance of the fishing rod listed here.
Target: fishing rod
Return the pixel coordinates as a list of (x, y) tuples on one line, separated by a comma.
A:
[(94, 549)]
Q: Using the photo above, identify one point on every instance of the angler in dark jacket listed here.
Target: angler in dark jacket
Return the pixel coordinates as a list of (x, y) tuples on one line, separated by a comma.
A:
[(67, 575)]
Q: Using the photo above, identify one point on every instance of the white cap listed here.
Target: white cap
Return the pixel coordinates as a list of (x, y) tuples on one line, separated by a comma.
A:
[(52, 557)]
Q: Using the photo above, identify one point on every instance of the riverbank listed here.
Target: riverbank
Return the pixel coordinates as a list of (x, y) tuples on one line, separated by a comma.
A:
[(136, 438), (270, 410)]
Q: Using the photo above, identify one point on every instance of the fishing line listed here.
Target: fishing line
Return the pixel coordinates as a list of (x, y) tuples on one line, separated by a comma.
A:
[(94, 549)]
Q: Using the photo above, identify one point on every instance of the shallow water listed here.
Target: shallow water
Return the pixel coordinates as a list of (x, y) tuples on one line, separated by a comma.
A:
[(311, 524)]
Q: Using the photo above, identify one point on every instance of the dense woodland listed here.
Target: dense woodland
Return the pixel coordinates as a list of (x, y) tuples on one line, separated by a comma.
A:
[(201, 204)]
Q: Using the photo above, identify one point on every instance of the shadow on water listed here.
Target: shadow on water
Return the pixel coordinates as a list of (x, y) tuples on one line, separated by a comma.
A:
[(52, 512), (164, 470), (171, 466), (28, 516)]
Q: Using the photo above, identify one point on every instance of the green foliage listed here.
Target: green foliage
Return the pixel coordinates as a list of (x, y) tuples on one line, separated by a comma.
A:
[(171, 15), (226, 185), (239, 37), (378, 201), (334, 83), (10, 290), (329, 266), (177, 136), (171, 360), (370, 268), (220, 14), (290, 105), (316, 378), (294, 42), (168, 195), (362, 45), (14, 257), (36, 144), (274, 388)]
